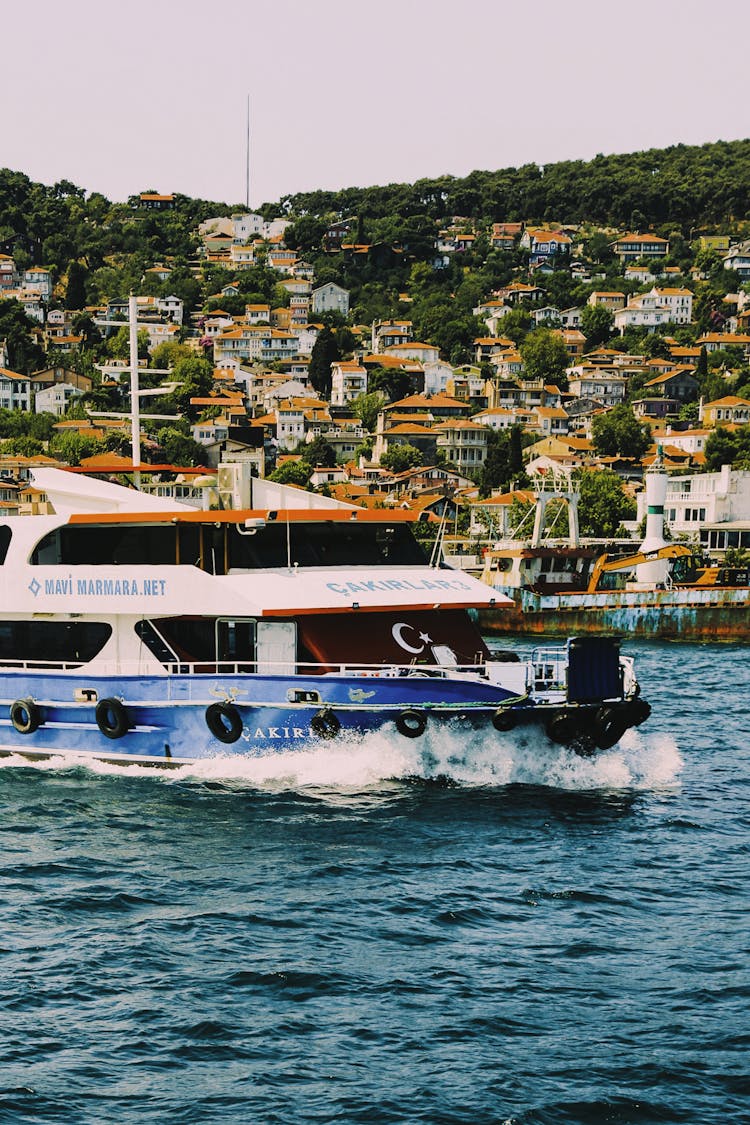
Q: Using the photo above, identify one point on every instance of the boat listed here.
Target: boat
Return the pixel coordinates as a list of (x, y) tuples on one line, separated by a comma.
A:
[(137, 629), (662, 590)]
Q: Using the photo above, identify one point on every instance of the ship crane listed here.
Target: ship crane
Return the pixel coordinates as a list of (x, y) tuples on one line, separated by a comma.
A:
[(605, 565)]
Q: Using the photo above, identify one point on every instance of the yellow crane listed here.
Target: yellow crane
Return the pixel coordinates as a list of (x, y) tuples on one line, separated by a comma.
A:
[(605, 565)]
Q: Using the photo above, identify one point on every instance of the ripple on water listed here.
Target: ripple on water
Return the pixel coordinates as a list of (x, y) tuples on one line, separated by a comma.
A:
[(388, 930)]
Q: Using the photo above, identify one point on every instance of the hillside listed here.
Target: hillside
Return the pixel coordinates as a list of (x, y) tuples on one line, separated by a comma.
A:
[(681, 187), (684, 185)]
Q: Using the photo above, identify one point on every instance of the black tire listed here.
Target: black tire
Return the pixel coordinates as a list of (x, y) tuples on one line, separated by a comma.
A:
[(504, 719), (638, 711), (112, 718), (224, 722), (324, 723), (563, 728), (25, 716), (411, 723), (610, 725)]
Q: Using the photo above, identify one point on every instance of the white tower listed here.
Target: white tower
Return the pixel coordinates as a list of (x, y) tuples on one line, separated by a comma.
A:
[(656, 494)]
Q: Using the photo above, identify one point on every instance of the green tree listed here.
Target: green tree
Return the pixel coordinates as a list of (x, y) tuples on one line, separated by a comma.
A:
[(292, 472), (725, 447), (619, 433), (515, 451), (516, 324), (318, 453), (83, 325), (75, 293), (597, 248), (21, 423), (195, 376), (544, 356), (73, 448), (169, 352), (393, 382), (22, 447), (689, 413), (325, 352), (504, 461), (367, 407), (21, 336), (179, 448), (399, 458), (119, 344), (603, 503), (596, 325)]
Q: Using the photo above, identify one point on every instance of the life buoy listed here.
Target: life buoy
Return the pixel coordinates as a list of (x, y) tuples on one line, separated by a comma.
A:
[(324, 723), (224, 721), (25, 716), (504, 719), (610, 725), (411, 723), (112, 718)]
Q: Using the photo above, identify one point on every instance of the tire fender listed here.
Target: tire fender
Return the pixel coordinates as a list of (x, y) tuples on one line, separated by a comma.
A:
[(25, 716), (112, 718), (325, 724), (224, 722), (411, 722)]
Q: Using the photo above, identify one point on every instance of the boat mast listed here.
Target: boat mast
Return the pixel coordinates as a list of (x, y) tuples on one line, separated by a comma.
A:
[(247, 158), (135, 414)]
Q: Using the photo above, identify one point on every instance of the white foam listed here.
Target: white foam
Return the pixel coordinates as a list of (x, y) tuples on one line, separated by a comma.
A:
[(472, 759)]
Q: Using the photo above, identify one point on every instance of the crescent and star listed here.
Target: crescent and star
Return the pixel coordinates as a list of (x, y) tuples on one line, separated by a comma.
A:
[(398, 636)]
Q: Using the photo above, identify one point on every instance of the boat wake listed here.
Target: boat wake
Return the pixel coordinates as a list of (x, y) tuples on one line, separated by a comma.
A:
[(640, 761)]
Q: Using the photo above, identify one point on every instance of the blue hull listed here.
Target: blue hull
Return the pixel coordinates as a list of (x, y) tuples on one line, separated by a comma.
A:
[(166, 721)]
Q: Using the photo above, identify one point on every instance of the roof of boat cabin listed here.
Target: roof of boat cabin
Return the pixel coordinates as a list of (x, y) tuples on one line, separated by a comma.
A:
[(234, 516)]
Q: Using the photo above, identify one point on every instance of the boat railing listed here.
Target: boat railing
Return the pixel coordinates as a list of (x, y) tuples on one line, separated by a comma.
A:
[(550, 668), (177, 667)]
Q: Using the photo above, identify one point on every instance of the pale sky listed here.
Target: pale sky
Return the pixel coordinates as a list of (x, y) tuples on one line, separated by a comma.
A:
[(152, 93)]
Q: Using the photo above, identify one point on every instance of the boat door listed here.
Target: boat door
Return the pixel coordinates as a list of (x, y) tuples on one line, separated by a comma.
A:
[(235, 643), (276, 647)]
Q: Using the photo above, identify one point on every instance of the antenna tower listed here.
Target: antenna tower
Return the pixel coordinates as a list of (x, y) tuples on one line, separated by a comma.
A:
[(247, 158)]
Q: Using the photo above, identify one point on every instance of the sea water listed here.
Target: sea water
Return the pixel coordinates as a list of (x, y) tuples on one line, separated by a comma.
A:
[(458, 929)]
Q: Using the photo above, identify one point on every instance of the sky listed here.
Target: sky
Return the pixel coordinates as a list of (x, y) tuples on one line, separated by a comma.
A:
[(119, 98)]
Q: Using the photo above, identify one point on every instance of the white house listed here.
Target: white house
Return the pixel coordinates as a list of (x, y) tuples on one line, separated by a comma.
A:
[(348, 380), (241, 257), (642, 312), (592, 381), (704, 498), (170, 307), (436, 376), (330, 298), (246, 226), (678, 301), (15, 390), (306, 335), (55, 399), (738, 259), (39, 279), (258, 314), (424, 353)]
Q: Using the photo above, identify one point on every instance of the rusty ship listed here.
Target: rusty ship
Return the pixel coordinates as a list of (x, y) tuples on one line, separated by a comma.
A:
[(662, 591)]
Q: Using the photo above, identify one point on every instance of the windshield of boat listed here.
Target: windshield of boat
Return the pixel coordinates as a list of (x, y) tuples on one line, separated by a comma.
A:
[(221, 547)]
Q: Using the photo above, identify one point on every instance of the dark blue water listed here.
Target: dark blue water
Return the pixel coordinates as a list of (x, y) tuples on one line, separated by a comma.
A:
[(371, 934)]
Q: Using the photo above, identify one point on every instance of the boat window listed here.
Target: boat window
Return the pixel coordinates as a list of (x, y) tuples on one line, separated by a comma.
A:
[(325, 544), (200, 641), (5, 537), (216, 547), (49, 643), (107, 544)]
